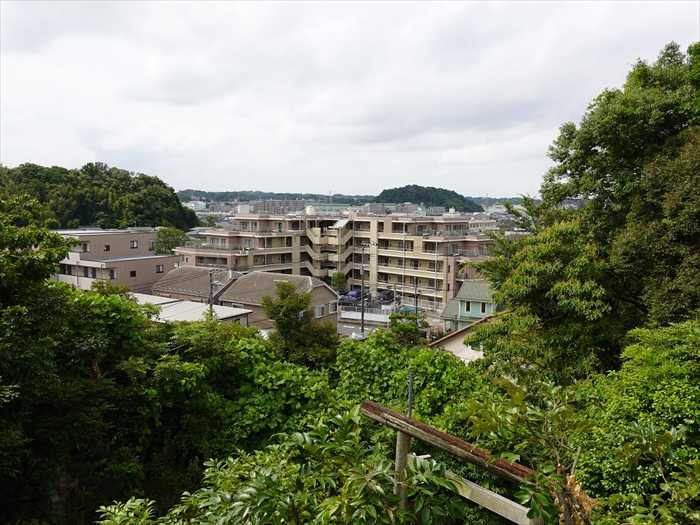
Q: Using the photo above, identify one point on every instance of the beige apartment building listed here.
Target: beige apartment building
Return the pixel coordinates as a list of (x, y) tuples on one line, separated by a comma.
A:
[(408, 254), (121, 257)]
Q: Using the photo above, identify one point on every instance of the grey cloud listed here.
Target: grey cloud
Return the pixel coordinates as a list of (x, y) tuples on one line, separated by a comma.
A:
[(342, 97)]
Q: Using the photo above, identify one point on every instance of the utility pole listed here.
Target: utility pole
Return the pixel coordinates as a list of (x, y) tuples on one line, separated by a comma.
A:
[(403, 444), (211, 293), (415, 297), (362, 292)]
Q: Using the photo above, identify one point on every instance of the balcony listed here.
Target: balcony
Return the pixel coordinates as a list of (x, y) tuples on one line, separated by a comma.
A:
[(418, 272)]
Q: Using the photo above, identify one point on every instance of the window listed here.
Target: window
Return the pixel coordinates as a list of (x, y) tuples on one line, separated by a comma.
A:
[(85, 247), (319, 311), (132, 273), (86, 271), (159, 268), (467, 306), (332, 308), (483, 308), (133, 244), (152, 246), (112, 275), (93, 273), (380, 227), (107, 247)]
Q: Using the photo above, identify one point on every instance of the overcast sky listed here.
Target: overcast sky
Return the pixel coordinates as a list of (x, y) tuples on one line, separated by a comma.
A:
[(319, 97)]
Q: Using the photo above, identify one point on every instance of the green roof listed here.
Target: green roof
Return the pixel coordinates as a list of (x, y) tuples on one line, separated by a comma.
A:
[(475, 290)]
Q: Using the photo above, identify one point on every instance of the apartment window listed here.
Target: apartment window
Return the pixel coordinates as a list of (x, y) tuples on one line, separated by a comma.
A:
[(107, 247), (133, 244), (86, 271), (160, 268), (483, 308), (319, 311), (112, 275), (380, 227), (69, 269), (397, 227), (93, 273), (132, 273), (152, 246)]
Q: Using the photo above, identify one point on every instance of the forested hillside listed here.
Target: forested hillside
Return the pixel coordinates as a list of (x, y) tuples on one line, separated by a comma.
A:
[(591, 374), (428, 196), (97, 194), (230, 196)]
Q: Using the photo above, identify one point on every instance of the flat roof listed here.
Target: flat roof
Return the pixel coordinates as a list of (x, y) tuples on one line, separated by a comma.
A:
[(97, 231), (143, 298), (177, 310)]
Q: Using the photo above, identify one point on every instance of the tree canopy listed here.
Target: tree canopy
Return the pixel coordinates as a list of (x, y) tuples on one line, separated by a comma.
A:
[(428, 196), (97, 194)]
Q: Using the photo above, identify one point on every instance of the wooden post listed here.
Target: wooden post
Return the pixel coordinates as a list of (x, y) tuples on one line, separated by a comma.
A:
[(403, 445), (451, 444)]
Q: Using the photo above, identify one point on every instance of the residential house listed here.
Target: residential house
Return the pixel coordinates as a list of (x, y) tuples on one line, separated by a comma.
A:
[(453, 342), (248, 291), (473, 301)]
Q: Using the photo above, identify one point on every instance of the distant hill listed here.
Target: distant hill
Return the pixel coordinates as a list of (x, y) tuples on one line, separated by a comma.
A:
[(249, 195), (428, 196), (97, 194), (417, 194)]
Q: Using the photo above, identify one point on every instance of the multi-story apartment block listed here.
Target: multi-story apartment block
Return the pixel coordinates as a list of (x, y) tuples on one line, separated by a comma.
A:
[(414, 256), (122, 257)]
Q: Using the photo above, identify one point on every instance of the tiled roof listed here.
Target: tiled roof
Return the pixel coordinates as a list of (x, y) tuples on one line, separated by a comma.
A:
[(475, 290), (194, 281), (252, 287)]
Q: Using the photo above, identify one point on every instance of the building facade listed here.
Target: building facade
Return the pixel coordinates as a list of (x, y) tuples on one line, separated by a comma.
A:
[(120, 257), (416, 256), (474, 301)]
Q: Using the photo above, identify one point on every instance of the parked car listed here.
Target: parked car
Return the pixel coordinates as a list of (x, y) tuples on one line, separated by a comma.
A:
[(385, 297), (348, 299)]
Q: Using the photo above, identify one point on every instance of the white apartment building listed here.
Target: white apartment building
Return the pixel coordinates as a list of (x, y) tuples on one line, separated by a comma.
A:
[(414, 256), (122, 257)]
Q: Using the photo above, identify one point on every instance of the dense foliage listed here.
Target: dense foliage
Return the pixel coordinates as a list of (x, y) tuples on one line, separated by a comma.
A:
[(168, 238), (97, 194), (428, 196), (631, 255), (232, 196)]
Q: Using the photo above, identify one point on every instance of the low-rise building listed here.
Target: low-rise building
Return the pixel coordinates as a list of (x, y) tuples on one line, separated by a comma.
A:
[(248, 291), (473, 301), (121, 257), (454, 342), (173, 310)]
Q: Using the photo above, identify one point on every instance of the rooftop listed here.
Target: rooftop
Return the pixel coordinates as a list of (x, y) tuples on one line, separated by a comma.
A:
[(194, 281), (176, 310), (475, 290), (97, 231), (252, 287)]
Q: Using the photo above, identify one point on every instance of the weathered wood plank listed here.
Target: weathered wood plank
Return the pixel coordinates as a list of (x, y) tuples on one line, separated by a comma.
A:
[(458, 447), (496, 503)]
